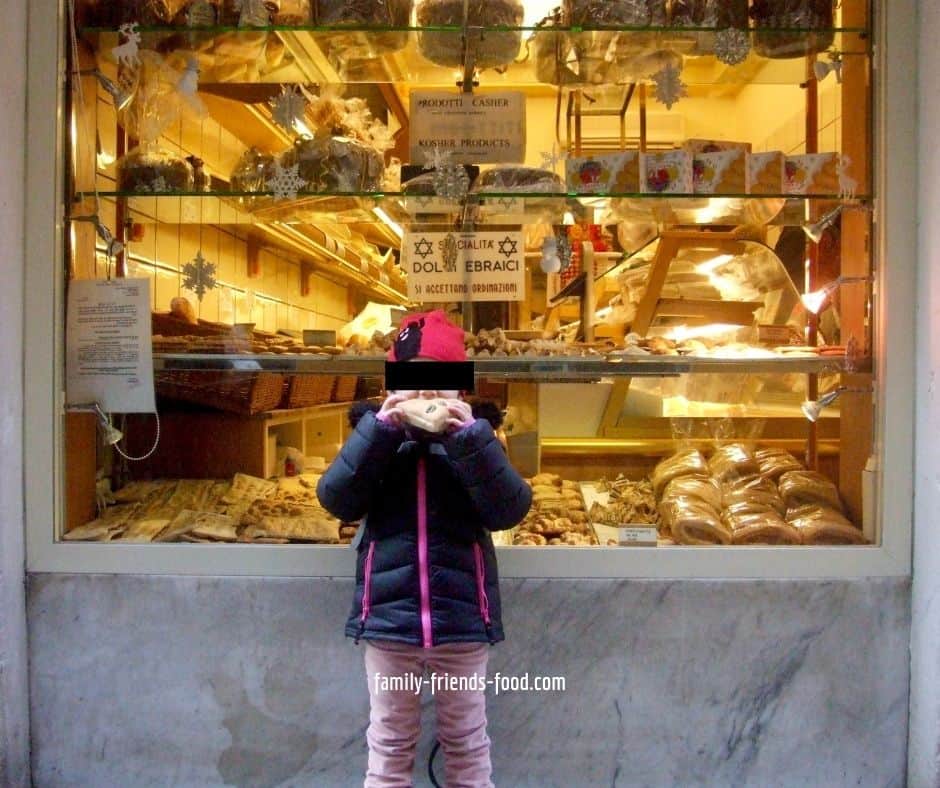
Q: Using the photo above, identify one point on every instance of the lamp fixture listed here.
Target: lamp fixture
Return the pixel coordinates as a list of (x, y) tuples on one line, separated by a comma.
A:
[(113, 246), (109, 432), (815, 300), (813, 408), (119, 96), (822, 68), (815, 230)]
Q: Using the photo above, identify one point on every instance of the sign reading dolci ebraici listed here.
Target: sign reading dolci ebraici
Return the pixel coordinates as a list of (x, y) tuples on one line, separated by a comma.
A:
[(477, 266)]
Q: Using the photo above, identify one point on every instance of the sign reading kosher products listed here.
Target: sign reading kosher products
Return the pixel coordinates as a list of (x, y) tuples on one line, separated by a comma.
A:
[(486, 266), (478, 128)]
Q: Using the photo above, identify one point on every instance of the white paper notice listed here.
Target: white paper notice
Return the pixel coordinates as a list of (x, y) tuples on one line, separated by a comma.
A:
[(477, 128), (108, 353), (485, 266)]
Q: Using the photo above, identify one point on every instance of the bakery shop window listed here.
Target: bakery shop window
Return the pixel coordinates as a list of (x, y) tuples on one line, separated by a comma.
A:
[(686, 354)]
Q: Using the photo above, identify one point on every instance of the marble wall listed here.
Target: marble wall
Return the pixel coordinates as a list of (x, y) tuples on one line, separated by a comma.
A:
[(925, 640), (14, 719), (248, 682)]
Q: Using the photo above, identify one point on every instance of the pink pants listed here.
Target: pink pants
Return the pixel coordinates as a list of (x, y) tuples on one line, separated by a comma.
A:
[(394, 671)]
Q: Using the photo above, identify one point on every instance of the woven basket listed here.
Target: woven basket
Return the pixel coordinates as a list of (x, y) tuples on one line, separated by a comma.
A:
[(244, 393), (302, 391), (345, 390)]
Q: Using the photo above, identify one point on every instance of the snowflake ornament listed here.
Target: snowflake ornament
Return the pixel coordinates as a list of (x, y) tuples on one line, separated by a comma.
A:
[(450, 179), (732, 46), (126, 54), (199, 275), (289, 107), (551, 159), (669, 85), (286, 182)]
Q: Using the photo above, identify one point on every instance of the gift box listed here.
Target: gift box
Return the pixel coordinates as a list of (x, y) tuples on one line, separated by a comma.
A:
[(812, 173), (611, 173), (669, 172), (696, 146), (765, 172), (722, 172)]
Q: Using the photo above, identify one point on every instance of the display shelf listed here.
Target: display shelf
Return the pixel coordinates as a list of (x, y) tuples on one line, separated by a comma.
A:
[(543, 368), (394, 54), (222, 208)]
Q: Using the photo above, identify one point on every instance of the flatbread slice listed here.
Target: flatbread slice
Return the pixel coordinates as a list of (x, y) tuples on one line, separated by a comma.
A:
[(245, 487)]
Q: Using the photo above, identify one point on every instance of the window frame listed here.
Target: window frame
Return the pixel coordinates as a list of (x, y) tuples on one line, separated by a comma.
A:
[(894, 184)]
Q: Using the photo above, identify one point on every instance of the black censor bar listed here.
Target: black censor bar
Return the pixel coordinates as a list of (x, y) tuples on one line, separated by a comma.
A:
[(429, 375)]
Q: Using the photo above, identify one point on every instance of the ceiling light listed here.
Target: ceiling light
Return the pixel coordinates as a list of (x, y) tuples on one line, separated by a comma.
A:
[(815, 300), (109, 432), (815, 230), (822, 69)]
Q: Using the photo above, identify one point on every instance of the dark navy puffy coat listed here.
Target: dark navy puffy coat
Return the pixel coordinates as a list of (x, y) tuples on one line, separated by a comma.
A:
[(426, 570)]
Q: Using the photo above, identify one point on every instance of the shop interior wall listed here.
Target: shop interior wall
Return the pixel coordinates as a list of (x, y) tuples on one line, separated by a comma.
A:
[(14, 701), (924, 763)]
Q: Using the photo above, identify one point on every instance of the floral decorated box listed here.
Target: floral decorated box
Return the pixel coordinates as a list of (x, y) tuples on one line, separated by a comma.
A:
[(609, 173), (765, 172), (812, 173), (696, 146), (669, 172), (721, 172)]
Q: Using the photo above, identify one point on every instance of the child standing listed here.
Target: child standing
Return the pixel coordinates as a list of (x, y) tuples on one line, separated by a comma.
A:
[(427, 591)]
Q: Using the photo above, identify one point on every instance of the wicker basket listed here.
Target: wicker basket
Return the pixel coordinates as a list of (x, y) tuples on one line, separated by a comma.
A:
[(345, 390), (244, 393), (302, 391)]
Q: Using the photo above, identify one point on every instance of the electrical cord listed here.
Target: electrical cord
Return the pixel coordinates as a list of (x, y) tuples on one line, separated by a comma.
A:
[(156, 442), (434, 749)]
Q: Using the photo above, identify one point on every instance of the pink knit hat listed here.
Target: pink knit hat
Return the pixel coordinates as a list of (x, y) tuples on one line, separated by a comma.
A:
[(428, 335)]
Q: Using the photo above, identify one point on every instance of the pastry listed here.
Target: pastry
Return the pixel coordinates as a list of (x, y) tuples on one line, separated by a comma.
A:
[(144, 530), (336, 164), (760, 527), (772, 463), (798, 488), (221, 527), (693, 522), (707, 490), (688, 462), (154, 171), (490, 50), (732, 461), (792, 28), (428, 415), (245, 487), (100, 530), (822, 525)]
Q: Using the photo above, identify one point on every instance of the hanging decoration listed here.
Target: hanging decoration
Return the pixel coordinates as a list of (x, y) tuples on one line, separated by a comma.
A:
[(732, 46), (199, 275), (551, 159), (450, 179), (286, 182), (189, 82), (847, 184), (127, 54), (669, 85), (288, 108)]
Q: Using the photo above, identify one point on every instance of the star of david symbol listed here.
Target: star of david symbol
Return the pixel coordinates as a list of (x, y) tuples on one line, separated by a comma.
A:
[(508, 247), (506, 203), (424, 248)]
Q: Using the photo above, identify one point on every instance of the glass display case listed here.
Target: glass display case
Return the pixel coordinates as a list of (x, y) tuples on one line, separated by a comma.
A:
[(691, 356)]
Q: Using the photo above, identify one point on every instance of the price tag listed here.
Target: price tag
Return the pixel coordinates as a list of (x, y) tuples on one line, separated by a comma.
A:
[(637, 536), (478, 128)]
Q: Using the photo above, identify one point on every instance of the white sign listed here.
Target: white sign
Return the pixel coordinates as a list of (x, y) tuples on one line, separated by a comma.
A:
[(477, 128), (626, 535), (485, 266), (108, 350)]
